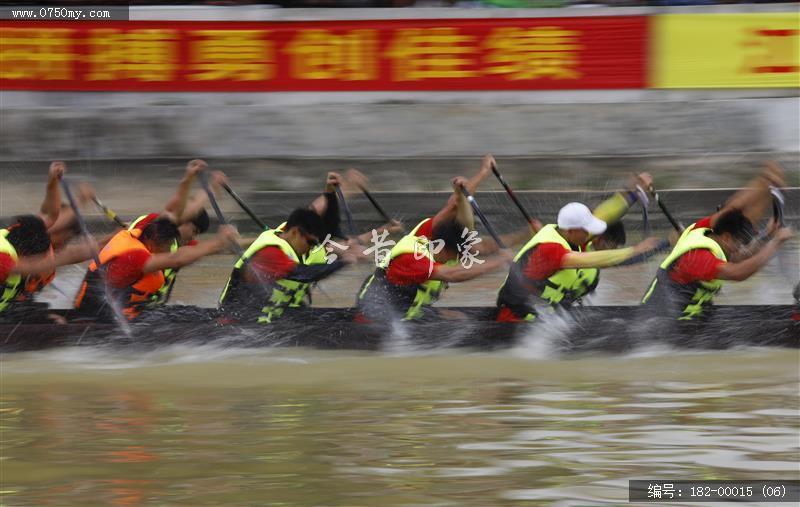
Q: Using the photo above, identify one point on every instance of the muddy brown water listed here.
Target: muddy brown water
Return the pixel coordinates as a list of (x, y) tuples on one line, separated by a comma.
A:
[(193, 426)]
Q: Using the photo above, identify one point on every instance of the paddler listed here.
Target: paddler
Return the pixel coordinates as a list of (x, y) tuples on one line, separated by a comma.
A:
[(26, 254), (715, 249), (190, 217), (560, 264), (416, 271), (273, 276), (27, 237), (327, 206), (134, 261), (49, 214)]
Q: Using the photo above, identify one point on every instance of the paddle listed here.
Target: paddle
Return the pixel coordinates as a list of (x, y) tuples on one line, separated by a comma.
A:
[(645, 202), (217, 211), (265, 285), (482, 217), (109, 213), (778, 204), (350, 223), (513, 197), (244, 206), (122, 321), (375, 204), (676, 224)]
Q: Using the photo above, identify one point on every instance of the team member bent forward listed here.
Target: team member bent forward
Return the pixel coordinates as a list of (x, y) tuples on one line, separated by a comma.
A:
[(557, 267), (271, 276), (134, 262), (712, 250), (409, 280)]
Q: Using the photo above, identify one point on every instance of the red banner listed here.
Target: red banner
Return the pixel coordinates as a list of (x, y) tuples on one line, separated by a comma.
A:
[(396, 55)]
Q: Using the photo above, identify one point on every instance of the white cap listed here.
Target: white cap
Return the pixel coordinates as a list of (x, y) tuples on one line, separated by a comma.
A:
[(577, 216)]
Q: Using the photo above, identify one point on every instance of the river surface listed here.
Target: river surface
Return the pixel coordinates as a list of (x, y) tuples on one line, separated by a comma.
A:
[(197, 426), (206, 426)]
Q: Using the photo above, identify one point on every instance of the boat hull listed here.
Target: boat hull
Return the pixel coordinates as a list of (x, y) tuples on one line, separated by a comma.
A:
[(602, 328)]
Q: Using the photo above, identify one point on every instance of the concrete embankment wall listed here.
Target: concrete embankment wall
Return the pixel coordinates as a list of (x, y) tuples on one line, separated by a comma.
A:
[(134, 145), (578, 124), (38, 126)]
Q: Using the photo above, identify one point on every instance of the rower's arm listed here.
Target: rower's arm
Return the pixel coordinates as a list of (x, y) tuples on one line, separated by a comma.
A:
[(186, 255), (200, 198), (599, 259), (46, 263), (76, 252), (183, 256), (51, 205), (457, 206), (33, 265), (743, 270), (321, 204), (615, 207), (754, 200), (175, 206), (607, 258), (66, 217), (464, 214), (193, 207), (315, 272), (663, 246), (461, 274)]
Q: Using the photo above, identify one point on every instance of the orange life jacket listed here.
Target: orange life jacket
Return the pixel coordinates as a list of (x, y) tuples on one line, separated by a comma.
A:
[(133, 298), (35, 283)]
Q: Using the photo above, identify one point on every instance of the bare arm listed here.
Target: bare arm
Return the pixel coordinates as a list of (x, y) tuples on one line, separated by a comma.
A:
[(51, 206), (177, 203), (185, 255), (200, 198), (66, 217), (320, 204), (70, 254), (755, 199), (461, 274), (457, 206), (193, 207), (743, 270)]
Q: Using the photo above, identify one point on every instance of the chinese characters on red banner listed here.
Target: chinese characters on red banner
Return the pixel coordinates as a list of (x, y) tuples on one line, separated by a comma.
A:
[(507, 54)]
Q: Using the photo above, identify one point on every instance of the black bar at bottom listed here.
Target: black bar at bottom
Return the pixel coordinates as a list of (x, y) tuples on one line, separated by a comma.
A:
[(666, 490)]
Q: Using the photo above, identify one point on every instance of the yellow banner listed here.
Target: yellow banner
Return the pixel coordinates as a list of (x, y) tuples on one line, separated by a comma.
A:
[(758, 50)]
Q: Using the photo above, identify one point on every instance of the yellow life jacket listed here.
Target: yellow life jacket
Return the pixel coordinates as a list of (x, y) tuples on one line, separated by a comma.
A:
[(12, 285), (411, 301), (283, 293), (690, 301), (315, 256), (134, 298), (563, 288), (161, 297)]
